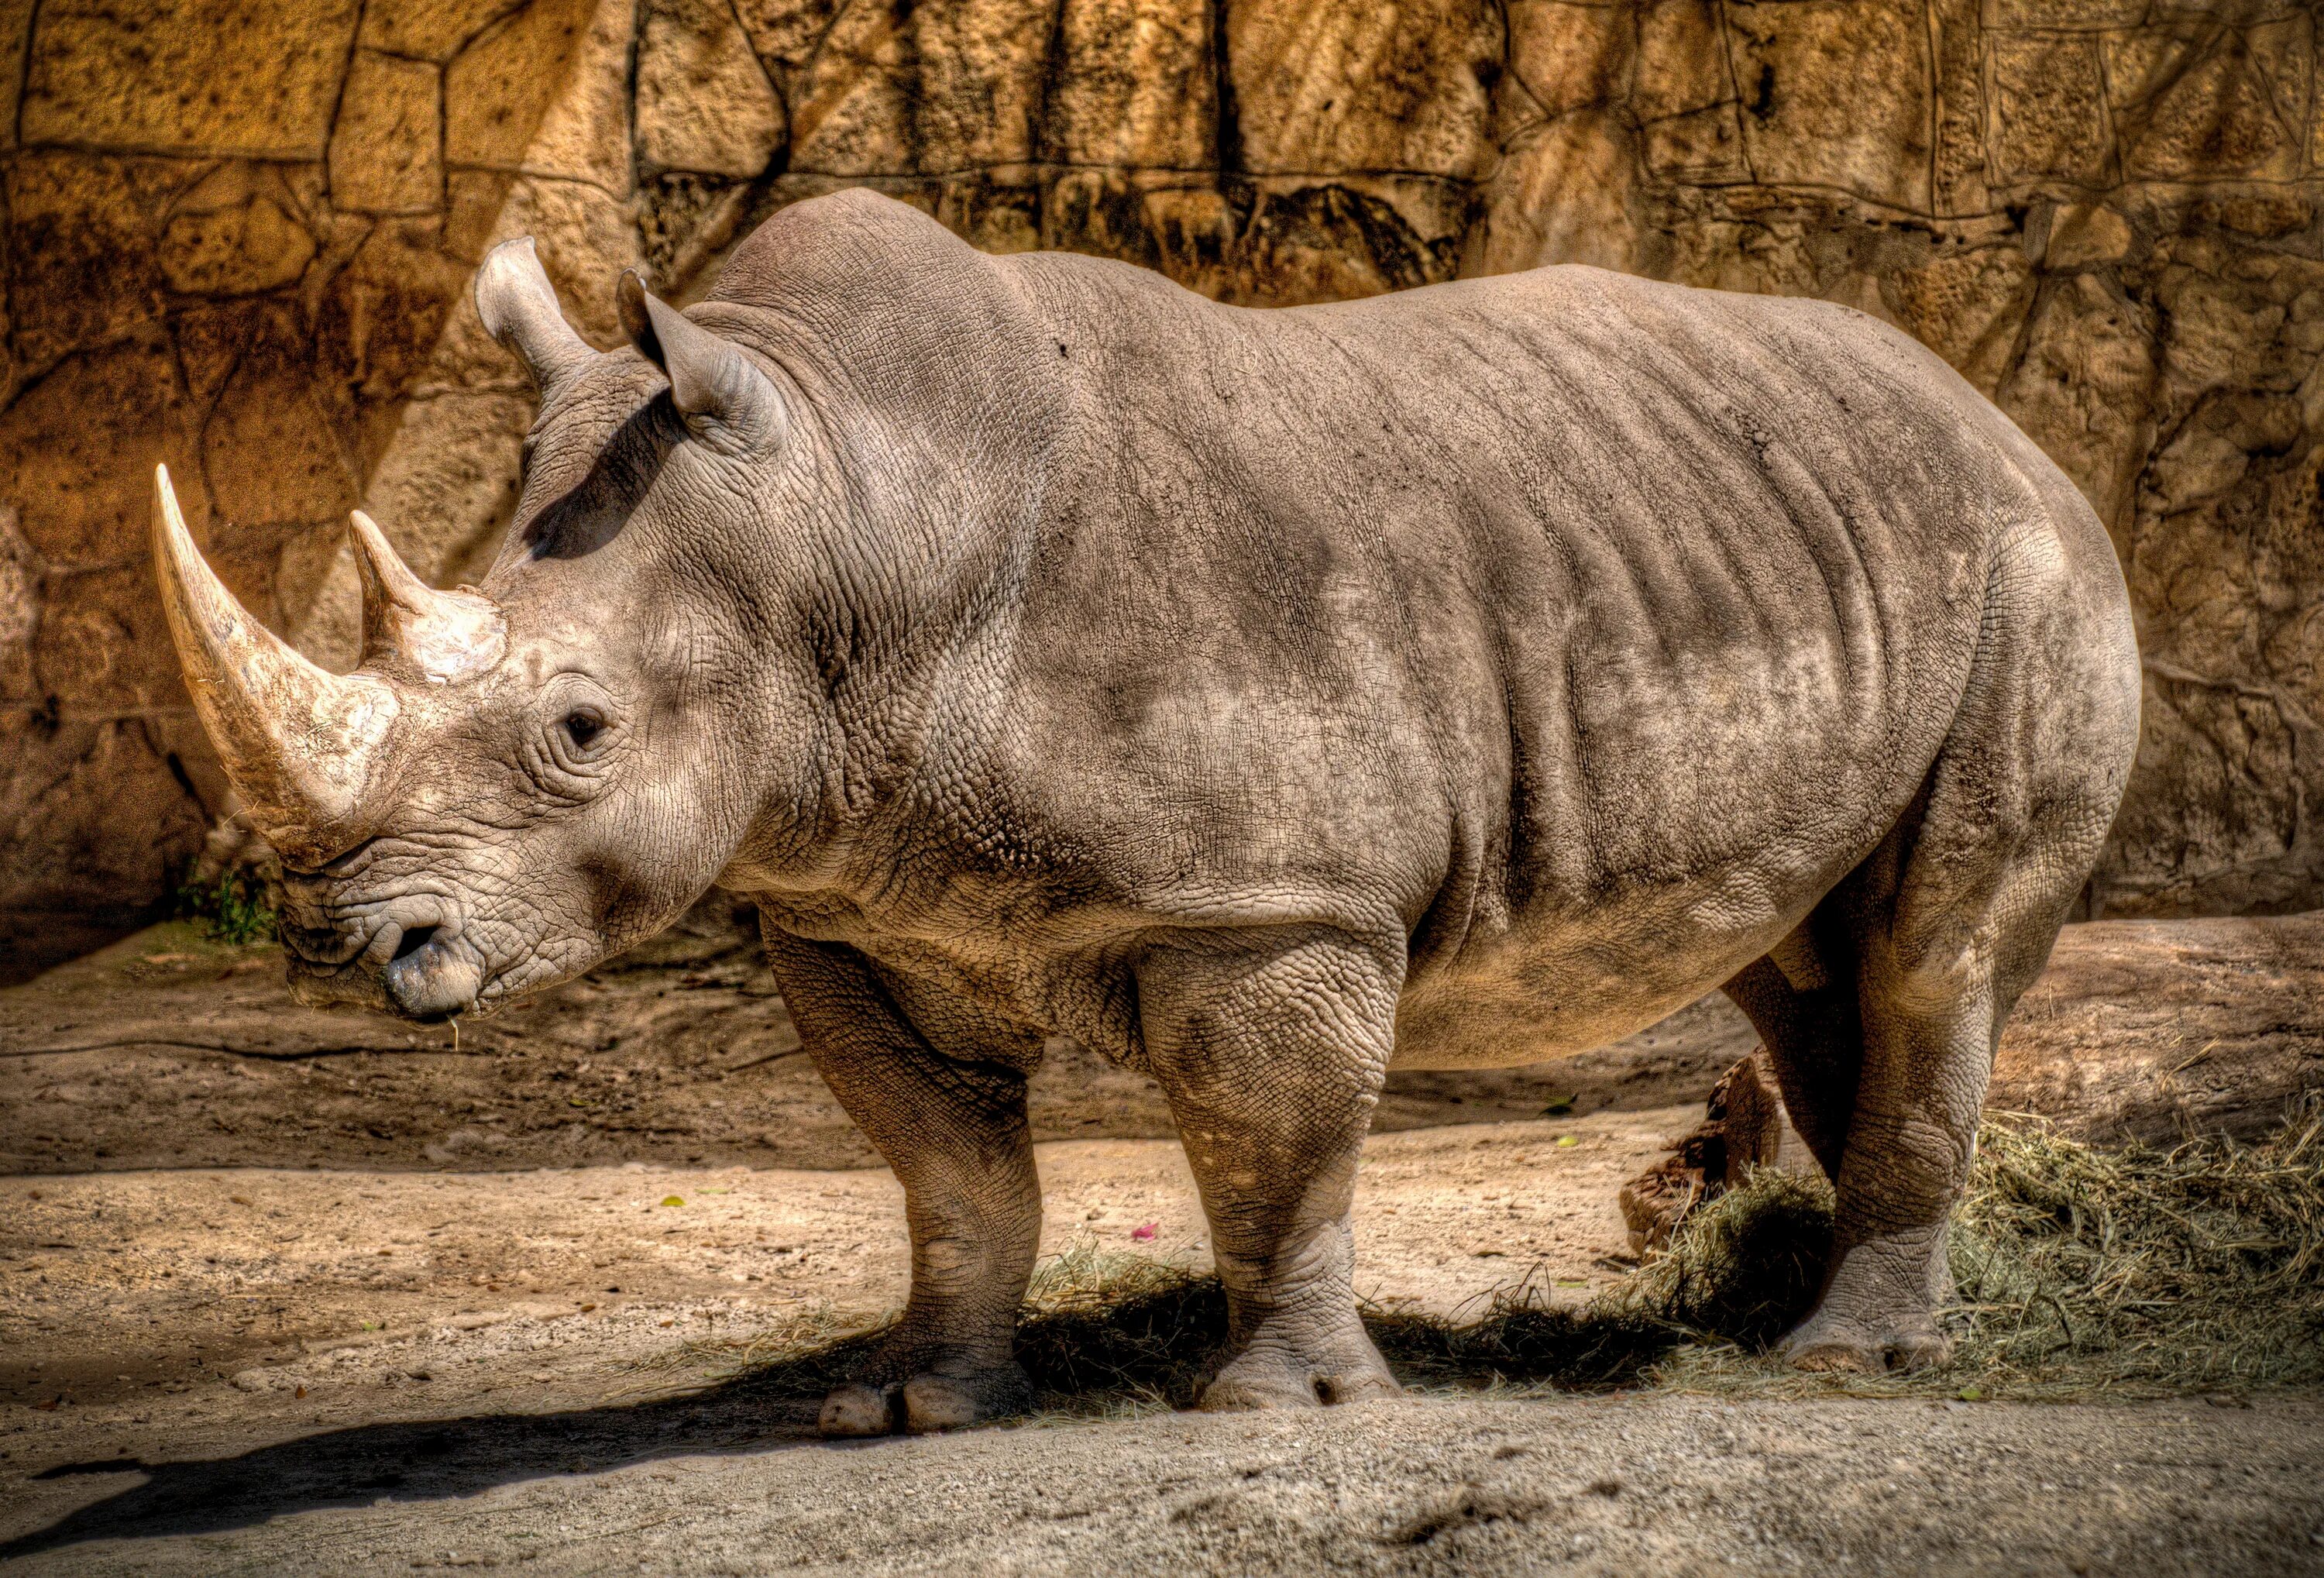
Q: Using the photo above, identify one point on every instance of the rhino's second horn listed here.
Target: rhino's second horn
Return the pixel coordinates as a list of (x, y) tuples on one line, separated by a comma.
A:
[(441, 637)]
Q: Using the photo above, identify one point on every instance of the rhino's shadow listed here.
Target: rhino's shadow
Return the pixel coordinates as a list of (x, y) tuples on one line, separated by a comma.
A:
[(425, 1460), (1152, 1340)]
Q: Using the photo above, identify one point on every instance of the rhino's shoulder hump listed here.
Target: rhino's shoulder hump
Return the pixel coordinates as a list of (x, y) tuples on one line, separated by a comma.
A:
[(850, 241)]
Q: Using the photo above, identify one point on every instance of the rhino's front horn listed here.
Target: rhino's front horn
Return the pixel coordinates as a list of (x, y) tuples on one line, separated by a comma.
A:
[(300, 745), (443, 637), (519, 309), (715, 386)]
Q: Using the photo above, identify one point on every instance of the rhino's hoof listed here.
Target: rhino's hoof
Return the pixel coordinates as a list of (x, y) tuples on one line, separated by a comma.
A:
[(1820, 1343), (858, 1410), (1249, 1383), (948, 1402)]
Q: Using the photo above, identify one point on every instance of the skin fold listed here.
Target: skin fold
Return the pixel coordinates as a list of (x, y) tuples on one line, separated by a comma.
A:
[(1265, 699)]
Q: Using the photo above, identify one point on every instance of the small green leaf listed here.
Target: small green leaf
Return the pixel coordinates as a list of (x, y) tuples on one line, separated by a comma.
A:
[(1567, 1139), (1969, 1394), (671, 1200)]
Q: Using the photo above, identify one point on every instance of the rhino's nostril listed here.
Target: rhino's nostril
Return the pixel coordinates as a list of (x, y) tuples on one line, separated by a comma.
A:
[(412, 941)]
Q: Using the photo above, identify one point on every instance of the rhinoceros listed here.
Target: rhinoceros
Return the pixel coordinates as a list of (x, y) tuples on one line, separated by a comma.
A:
[(1265, 699)]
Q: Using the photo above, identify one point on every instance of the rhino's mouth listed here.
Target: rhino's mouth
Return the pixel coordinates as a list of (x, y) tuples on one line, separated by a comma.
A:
[(413, 958), (433, 973)]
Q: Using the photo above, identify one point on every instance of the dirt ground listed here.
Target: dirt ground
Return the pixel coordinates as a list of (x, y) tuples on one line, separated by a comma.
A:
[(288, 1292), (169, 1051)]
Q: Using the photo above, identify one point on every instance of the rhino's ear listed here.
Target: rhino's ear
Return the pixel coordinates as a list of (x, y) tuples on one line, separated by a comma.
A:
[(721, 394), (519, 309)]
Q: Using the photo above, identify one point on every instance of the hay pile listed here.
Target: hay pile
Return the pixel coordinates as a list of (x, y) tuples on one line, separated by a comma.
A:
[(2082, 1272)]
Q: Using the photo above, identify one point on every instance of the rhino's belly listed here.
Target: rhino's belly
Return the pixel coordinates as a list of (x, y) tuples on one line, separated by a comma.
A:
[(1545, 987)]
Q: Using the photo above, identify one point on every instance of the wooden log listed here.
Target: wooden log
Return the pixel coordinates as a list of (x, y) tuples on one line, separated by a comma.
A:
[(1744, 1126)]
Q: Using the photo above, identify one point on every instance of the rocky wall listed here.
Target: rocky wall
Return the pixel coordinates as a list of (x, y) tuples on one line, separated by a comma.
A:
[(238, 233)]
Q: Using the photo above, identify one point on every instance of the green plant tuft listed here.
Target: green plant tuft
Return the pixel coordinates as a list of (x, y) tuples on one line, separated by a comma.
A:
[(232, 911)]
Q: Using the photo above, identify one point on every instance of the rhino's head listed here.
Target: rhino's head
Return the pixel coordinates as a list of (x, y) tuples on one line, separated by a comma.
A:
[(520, 777)]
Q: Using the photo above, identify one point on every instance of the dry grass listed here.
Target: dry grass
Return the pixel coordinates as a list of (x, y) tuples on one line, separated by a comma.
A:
[(2083, 1272)]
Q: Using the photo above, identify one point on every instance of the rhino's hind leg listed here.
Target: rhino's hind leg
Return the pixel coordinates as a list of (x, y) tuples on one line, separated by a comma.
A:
[(1948, 922), (1802, 999), (1921, 952), (1272, 1059), (1952, 916), (956, 1135), (1928, 1048)]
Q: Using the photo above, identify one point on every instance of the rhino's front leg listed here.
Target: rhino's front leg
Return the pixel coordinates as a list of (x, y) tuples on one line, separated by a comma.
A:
[(1271, 1053), (956, 1135)]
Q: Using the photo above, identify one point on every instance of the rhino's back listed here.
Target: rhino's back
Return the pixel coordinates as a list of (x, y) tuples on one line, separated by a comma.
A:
[(1597, 625)]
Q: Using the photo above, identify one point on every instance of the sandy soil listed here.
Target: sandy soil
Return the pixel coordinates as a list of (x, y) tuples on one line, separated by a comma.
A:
[(167, 1050), (268, 1304), (123, 1286), (296, 1371)]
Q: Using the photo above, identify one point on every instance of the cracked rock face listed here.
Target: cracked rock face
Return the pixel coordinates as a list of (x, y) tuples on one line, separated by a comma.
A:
[(238, 240)]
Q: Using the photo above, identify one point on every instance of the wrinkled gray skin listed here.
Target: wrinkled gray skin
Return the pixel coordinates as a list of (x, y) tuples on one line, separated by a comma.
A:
[(1269, 700)]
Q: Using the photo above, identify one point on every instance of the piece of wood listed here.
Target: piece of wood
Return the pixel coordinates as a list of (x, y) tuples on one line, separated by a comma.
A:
[(1744, 1127)]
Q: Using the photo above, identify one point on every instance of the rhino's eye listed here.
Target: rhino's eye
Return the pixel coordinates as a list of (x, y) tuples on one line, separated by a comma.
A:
[(583, 727)]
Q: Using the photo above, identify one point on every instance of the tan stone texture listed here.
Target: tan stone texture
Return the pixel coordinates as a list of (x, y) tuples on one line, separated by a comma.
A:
[(1681, 59), (1397, 85), (2048, 102), (1958, 167), (22, 597), (15, 32), (238, 237), (2065, 15), (2085, 236), (387, 145), (271, 452), (1571, 56), (704, 101), (81, 253), (787, 33), (95, 814), (1564, 193), (1836, 93), (2083, 385), (852, 109), (1137, 84), (545, 93), (1970, 306), (430, 30), (251, 246), (1700, 145), (2191, 101), (77, 450), (255, 78)]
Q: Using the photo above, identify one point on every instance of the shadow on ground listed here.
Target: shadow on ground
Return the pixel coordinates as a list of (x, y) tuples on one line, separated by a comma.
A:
[(1105, 1333), (422, 1461)]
